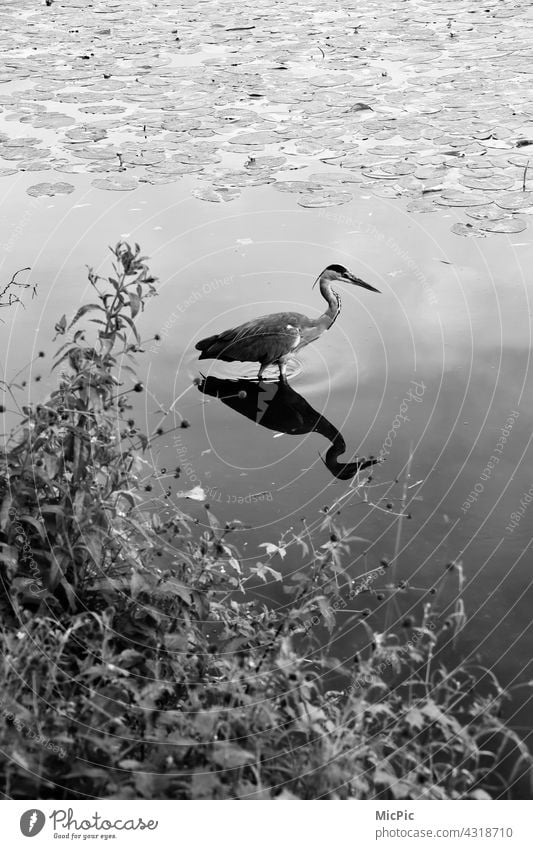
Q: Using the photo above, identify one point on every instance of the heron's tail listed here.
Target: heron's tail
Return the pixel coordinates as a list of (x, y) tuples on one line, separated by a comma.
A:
[(206, 343)]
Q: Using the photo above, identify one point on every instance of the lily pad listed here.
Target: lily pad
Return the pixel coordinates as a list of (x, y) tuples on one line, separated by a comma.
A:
[(444, 103), (486, 213), (505, 225), (118, 183), (315, 200), (50, 189), (421, 205), (490, 184), (461, 229), (461, 199), (258, 138), (515, 200), (217, 195)]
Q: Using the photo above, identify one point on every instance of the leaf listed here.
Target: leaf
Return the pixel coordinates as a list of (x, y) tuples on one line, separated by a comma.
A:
[(270, 548), (70, 593), (79, 504), (479, 794), (61, 325), (432, 711), (172, 585), (106, 342), (228, 756), (234, 563), (414, 718), (216, 195), (215, 526), (421, 205), (381, 776), (5, 518), (21, 760), (176, 642), (117, 183), (504, 225), (515, 200), (9, 556), (204, 785), (52, 464), (488, 185), (29, 520), (52, 508), (128, 321), (488, 213), (50, 189), (135, 304), (195, 494), (318, 200), (139, 583), (462, 199), (262, 571), (327, 612), (461, 229), (82, 311), (128, 496)]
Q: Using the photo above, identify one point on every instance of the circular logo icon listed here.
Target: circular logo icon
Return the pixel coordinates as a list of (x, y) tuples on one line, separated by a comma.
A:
[(32, 822)]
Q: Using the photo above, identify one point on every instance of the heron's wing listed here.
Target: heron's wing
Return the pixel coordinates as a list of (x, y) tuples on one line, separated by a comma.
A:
[(263, 339)]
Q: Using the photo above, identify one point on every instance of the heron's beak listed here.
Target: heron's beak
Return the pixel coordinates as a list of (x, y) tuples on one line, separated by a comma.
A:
[(351, 278)]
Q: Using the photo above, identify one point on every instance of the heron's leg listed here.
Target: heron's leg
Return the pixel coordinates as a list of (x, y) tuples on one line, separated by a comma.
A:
[(261, 370), (283, 370)]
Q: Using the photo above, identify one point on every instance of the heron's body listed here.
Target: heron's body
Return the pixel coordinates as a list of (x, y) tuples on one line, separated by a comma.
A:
[(271, 339)]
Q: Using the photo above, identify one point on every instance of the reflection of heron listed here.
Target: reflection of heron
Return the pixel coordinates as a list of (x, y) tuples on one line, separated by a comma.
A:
[(272, 338), (278, 407)]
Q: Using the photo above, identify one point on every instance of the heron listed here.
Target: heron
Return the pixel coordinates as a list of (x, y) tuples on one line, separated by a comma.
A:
[(271, 339)]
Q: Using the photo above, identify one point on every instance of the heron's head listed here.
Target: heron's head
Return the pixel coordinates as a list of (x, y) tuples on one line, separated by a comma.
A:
[(340, 274)]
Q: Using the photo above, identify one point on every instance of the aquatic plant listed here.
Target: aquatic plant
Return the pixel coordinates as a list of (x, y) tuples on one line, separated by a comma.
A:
[(135, 664)]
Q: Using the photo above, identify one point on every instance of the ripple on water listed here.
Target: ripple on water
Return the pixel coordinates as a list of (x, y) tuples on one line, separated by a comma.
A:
[(246, 371)]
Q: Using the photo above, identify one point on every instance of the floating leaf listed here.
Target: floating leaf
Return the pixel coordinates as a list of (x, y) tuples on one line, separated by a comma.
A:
[(50, 189), (120, 183), (217, 195), (461, 229), (421, 205), (461, 199), (458, 112), (487, 213), (259, 138), (491, 184), (321, 199), (515, 200), (504, 225), (296, 186)]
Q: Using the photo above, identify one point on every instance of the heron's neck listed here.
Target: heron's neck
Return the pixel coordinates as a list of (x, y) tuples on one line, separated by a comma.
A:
[(334, 303), (342, 471)]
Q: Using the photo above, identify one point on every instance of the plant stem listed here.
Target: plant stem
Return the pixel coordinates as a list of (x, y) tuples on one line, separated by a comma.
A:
[(399, 527)]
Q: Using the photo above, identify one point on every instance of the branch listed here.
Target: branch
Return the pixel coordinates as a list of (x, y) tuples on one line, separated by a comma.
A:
[(7, 297)]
